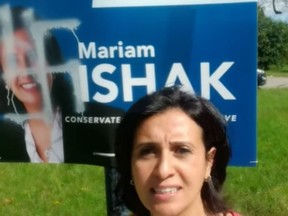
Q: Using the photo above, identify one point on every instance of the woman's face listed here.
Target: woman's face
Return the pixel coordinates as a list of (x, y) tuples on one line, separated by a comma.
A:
[(170, 164), (17, 67)]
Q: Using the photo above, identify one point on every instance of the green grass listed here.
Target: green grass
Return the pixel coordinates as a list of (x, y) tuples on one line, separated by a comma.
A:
[(263, 190), (68, 190), (278, 71), (37, 189)]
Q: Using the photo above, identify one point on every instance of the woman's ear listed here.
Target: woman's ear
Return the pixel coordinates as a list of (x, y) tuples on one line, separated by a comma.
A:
[(210, 160)]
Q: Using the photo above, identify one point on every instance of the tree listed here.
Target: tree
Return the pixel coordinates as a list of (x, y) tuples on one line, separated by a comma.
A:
[(272, 41)]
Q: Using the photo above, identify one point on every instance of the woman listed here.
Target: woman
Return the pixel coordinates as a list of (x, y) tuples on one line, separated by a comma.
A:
[(172, 152), (38, 138), (22, 91)]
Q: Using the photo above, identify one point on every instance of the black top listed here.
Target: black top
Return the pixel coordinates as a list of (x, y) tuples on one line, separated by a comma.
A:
[(84, 143)]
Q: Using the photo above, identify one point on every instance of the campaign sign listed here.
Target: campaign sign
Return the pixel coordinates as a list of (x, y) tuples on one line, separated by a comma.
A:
[(70, 69)]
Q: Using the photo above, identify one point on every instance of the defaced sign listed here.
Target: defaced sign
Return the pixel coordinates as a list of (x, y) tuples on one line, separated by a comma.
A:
[(108, 54)]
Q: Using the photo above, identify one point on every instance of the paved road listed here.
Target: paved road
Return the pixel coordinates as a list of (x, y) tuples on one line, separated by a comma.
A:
[(276, 82)]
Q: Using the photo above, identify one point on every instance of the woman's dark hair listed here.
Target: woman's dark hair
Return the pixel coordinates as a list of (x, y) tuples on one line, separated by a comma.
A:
[(62, 88), (214, 135)]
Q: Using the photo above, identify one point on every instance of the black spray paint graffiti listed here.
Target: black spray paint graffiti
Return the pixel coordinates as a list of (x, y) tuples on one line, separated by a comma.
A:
[(38, 30)]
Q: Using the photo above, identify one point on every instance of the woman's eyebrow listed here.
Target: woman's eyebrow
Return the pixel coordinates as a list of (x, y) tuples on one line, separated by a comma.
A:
[(144, 144), (172, 143), (183, 143)]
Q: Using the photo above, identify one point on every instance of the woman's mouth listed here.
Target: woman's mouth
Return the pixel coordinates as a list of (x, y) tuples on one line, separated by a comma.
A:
[(167, 190), (164, 194), (28, 86)]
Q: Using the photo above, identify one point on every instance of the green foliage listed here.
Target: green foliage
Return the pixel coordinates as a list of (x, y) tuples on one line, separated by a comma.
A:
[(263, 190), (277, 71), (272, 41)]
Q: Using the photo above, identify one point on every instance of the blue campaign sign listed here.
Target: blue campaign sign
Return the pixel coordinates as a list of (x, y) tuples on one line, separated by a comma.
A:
[(117, 51)]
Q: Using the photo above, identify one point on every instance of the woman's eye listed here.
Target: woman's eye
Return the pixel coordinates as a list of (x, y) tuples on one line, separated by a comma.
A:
[(146, 151), (182, 150), (31, 57), (12, 60)]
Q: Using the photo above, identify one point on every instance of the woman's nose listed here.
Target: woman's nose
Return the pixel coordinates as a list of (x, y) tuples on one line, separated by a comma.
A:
[(24, 61), (164, 167)]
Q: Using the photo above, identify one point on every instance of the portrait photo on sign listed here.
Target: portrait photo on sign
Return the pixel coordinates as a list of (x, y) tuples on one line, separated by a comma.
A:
[(43, 118)]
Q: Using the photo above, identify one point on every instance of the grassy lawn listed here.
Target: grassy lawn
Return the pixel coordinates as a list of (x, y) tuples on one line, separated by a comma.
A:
[(278, 71), (62, 190), (263, 190), (68, 190)]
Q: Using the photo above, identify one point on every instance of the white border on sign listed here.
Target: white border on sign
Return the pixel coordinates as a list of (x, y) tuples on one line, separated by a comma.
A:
[(138, 3)]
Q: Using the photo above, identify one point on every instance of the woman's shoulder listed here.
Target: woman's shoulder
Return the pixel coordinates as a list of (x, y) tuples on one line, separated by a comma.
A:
[(232, 213), (229, 213)]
